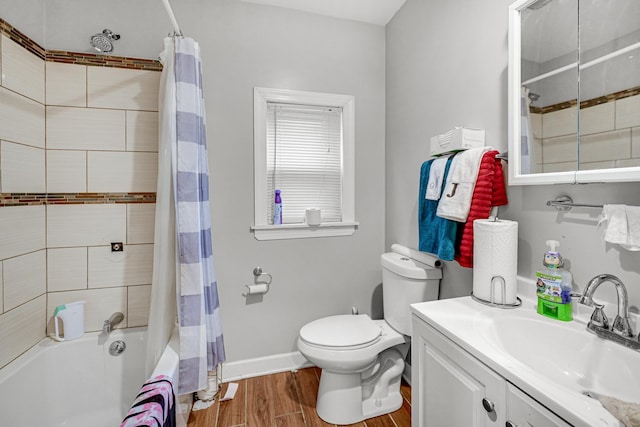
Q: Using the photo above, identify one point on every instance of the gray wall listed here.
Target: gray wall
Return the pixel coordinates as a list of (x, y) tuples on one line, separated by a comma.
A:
[(246, 45), (27, 16), (68, 24), (446, 67), (141, 24), (581, 241)]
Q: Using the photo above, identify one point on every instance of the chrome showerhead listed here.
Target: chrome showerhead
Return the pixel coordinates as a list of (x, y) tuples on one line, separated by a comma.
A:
[(103, 42), (533, 96)]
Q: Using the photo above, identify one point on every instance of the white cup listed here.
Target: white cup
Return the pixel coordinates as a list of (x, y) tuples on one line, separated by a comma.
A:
[(313, 216)]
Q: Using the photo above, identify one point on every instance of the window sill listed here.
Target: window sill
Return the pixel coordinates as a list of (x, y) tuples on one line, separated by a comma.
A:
[(303, 231)]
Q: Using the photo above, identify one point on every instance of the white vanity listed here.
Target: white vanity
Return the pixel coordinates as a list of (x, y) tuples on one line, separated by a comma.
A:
[(475, 365)]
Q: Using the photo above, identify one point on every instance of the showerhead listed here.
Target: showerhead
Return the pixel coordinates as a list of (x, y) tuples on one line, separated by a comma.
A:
[(533, 96), (103, 42)]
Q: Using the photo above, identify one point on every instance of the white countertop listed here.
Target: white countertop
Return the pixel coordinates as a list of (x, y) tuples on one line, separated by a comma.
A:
[(470, 324)]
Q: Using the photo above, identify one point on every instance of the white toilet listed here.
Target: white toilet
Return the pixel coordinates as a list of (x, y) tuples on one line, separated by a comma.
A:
[(362, 360)]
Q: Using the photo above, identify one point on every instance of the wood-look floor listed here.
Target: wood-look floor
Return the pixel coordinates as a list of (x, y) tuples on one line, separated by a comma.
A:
[(286, 399)]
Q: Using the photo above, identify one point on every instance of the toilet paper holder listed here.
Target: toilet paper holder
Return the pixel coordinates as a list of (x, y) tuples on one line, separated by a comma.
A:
[(260, 286)]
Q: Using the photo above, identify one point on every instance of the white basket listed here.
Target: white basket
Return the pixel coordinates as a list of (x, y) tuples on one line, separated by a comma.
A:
[(456, 140)]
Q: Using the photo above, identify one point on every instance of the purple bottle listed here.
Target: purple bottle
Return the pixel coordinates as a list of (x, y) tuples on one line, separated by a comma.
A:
[(277, 209)]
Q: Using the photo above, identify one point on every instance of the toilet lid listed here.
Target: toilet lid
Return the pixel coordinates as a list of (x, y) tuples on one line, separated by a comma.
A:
[(344, 330)]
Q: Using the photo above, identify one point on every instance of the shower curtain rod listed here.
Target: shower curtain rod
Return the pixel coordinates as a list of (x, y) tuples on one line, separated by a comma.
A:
[(172, 18)]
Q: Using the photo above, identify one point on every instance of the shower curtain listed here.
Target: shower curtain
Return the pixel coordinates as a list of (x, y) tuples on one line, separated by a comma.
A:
[(162, 308), (185, 260), (526, 135)]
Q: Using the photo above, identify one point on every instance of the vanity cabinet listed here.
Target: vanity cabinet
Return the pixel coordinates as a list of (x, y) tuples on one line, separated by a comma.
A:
[(523, 411), (451, 388)]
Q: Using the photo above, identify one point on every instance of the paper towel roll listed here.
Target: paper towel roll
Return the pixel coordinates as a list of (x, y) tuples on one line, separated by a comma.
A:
[(495, 259)]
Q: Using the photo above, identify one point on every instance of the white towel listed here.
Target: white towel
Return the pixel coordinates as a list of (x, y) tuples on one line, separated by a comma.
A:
[(436, 175), (461, 181), (622, 225)]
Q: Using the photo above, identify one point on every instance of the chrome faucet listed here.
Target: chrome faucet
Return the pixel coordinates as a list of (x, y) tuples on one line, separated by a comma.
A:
[(112, 322), (620, 332)]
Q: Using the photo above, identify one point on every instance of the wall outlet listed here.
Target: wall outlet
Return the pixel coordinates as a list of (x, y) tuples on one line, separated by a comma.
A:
[(117, 247)]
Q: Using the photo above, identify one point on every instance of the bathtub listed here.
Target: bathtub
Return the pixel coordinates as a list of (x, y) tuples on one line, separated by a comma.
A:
[(78, 383)]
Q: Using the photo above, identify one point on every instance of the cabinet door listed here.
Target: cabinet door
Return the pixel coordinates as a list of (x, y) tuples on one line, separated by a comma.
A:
[(523, 411), (450, 387)]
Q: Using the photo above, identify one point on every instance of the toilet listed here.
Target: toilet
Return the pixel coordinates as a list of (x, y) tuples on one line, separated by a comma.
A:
[(362, 360)]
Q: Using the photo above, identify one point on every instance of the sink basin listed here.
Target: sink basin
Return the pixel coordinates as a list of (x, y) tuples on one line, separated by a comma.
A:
[(566, 353), (554, 362)]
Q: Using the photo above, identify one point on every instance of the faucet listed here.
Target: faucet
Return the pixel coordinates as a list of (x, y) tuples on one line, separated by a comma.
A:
[(112, 322), (620, 332)]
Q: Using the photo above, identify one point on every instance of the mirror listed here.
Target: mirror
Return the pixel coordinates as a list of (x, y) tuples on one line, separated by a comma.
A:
[(574, 91)]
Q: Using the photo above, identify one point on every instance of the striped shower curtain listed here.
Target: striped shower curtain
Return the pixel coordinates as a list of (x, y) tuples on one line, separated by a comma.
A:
[(201, 341)]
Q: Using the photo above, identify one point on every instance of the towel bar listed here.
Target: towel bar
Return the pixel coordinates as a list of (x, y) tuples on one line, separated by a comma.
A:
[(565, 203)]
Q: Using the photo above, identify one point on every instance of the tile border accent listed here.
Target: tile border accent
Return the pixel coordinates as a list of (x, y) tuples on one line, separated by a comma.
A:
[(20, 38), (35, 199), (80, 58), (92, 59), (589, 102)]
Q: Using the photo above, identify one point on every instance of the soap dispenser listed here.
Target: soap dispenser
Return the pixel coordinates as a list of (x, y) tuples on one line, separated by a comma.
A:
[(554, 285)]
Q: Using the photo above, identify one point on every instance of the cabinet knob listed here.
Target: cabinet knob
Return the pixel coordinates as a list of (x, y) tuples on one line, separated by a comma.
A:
[(487, 404), (510, 424)]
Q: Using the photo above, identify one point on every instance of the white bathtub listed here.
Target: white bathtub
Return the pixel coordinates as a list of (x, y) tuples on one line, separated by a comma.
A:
[(78, 383)]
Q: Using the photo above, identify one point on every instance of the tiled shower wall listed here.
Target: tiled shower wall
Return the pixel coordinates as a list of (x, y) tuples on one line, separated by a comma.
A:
[(78, 166), (609, 136)]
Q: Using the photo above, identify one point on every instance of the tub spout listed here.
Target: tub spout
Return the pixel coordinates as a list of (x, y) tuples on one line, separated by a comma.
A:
[(112, 322)]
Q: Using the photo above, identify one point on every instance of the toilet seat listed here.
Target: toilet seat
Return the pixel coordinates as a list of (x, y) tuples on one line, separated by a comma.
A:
[(341, 332), (376, 336)]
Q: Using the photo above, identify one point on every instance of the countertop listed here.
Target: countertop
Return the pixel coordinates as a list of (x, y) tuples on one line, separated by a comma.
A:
[(469, 324)]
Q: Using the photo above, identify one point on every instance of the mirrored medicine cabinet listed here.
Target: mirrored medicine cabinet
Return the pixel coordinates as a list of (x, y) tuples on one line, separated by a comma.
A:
[(574, 91)]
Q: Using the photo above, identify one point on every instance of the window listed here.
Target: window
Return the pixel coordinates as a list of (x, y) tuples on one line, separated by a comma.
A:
[(304, 147), (304, 160)]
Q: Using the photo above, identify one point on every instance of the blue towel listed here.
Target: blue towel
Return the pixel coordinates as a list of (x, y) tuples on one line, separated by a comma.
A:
[(436, 235)]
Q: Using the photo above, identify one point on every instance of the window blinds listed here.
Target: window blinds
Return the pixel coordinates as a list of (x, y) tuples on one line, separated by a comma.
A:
[(304, 160)]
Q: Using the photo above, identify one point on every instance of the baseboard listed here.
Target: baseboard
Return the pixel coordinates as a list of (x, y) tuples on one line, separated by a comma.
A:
[(233, 371)]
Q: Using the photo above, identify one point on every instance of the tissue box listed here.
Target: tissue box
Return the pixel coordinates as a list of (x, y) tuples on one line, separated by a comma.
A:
[(455, 140)]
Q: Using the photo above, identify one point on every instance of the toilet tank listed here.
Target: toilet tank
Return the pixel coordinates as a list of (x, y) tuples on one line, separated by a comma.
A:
[(405, 281)]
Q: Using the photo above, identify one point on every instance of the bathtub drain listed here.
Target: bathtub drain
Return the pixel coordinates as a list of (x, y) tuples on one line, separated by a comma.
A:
[(117, 348)]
